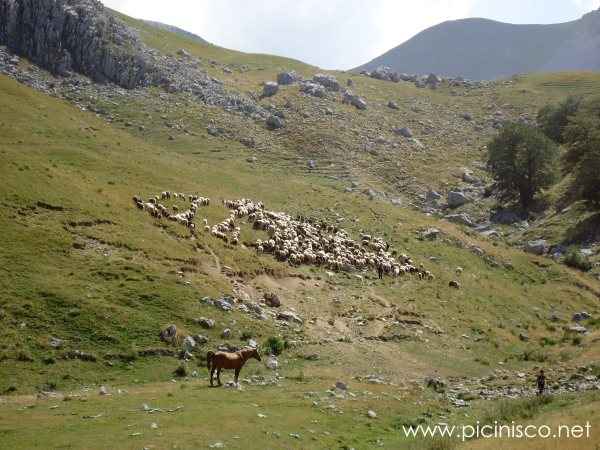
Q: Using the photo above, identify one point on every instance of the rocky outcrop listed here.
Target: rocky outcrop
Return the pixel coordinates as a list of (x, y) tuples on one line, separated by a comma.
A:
[(74, 39), (75, 35)]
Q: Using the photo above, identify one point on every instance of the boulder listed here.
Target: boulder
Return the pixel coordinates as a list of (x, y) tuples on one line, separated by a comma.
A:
[(275, 122), (226, 334), (272, 300), (289, 316), (313, 89), (403, 131), (189, 344), (432, 196), (431, 234), (463, 219), (327, 81), (223, 304), (506, 217), (350, 98), (537, 247), (205, 323), (168, 334), (456, 199), (270, 88), (577, 329), (285, 78), (580, 316)]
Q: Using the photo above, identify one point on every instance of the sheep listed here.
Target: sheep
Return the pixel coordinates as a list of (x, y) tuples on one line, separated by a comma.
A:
[(299, 240)]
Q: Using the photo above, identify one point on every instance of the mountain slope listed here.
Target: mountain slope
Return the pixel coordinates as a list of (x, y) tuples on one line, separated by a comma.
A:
[(485, 49)]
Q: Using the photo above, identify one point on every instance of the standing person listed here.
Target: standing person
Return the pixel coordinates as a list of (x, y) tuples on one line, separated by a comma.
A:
[(380, 270), (541, 382)]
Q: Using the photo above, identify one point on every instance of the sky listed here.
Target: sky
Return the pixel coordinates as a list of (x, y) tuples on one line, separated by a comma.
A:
[(335, 34)]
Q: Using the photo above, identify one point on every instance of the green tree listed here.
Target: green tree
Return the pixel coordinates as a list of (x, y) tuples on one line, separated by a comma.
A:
[(553, 119), (523, 161), (587, 172), (579, 133)]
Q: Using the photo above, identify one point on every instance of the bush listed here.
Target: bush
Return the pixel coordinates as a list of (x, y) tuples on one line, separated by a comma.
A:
[(275, 345), (574, 258), (553, 119), (523, 161), (181, 371)]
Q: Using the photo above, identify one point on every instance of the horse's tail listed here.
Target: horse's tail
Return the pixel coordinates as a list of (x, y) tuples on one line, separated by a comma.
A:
[(209, 360)]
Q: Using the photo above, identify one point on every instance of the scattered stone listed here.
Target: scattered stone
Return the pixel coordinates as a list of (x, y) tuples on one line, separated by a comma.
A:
[(205, 323), (285, 78), (577, 329), (275, 122), (371, 414), (189, 344), (168, 334), (313, 89), (403, 131), (327, 81), (289, 316), (272, 300), (103, 390), (580, 316), (457, 198), (537, 247), (270, 88), (226, 334), (56, 342), (454, 284), (341, 386), (463, 219), (393, 105), (272, 362)]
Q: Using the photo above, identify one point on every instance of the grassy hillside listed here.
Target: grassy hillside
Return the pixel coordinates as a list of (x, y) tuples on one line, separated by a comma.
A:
[(82, 264)]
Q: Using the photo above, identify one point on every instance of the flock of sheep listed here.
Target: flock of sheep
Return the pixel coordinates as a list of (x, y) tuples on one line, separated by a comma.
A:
[(299, 240)]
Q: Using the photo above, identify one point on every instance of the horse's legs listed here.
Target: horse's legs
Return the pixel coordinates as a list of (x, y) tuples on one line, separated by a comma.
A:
[(219, 376), (237, 374), (212, 373)]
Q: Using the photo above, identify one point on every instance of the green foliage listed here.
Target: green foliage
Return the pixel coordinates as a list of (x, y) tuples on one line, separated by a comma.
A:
[(574, 258), (581, 135), (587, 173), (275, 345), (523, 161), (553, 119)]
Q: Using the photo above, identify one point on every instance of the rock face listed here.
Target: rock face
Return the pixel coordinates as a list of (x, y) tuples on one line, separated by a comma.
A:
[(75, 35), (81, 38)]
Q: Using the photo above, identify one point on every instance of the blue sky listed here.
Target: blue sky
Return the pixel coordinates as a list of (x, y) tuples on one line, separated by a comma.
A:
[(335, 34)]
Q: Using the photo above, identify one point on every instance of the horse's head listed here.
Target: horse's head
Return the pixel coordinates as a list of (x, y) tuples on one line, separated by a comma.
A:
[(256, 355)]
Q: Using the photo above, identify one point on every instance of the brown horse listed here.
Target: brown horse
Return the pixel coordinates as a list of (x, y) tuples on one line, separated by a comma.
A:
[(225, 360)]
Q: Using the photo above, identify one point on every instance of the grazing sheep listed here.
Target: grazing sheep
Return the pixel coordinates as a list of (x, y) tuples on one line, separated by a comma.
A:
[(299, 240)]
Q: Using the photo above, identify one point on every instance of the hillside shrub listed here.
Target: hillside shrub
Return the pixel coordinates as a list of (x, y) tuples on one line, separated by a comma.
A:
[(275, 345), (574, 258), (553, 119)]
